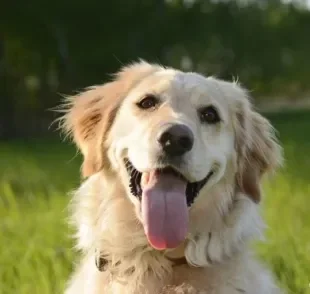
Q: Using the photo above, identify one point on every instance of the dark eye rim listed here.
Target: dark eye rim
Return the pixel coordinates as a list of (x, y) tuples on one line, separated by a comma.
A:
[(153, 98), (213, 120)]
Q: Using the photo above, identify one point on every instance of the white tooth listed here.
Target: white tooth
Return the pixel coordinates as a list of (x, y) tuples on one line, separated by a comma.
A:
[(144, 179)]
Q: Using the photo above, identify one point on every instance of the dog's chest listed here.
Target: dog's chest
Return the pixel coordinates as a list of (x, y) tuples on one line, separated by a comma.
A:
[(189, 280)]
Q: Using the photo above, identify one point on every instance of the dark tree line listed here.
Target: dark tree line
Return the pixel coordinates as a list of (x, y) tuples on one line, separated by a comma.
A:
[(52, 47)]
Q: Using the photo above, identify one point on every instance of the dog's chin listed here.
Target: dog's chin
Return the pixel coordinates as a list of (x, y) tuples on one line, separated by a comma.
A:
[(165, 197)]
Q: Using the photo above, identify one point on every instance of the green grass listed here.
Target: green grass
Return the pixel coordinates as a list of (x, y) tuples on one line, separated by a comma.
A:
[(35, 249)]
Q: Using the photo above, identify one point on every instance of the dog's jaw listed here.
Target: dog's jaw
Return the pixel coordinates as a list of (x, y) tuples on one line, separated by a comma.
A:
[(158, 197)]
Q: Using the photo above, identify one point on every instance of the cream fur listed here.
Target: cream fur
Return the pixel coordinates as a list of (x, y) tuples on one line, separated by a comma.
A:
[(224, 217)]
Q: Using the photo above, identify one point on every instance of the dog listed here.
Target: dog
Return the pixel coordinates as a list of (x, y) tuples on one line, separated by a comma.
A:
[(173, 163)]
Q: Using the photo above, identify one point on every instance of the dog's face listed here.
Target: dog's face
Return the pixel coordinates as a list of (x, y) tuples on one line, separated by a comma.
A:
[(177, 120), (171, 136)]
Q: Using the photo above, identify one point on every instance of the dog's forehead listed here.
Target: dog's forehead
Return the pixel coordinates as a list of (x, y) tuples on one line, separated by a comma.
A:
[(190, 79), (195, 87), (170, 79), (204, 91), (186, 88)]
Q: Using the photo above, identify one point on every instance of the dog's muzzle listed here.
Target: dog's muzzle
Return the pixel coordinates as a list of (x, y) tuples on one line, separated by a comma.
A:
[(176, 140)]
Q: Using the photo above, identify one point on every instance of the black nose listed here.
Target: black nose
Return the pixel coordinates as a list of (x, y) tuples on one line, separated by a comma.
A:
[(176, 140)]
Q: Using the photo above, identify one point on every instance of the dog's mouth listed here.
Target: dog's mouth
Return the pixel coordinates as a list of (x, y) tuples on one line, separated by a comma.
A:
[(165, 196), (192, 188)]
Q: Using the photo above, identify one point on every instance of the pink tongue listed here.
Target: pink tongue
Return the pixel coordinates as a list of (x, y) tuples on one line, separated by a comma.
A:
[(164, 210)]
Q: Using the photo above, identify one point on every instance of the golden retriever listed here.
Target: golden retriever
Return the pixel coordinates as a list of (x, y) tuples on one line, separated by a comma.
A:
[(173, 162)]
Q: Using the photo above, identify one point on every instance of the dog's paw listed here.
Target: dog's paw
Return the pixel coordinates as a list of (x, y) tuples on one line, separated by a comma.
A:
[(221, 245), (230, 236), (239, 226), (212, 248)]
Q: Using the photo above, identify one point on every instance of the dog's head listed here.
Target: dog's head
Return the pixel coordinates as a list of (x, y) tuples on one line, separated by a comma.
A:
[(170, 137)]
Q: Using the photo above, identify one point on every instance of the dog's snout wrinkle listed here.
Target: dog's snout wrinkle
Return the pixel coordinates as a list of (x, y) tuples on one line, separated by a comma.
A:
[(176, 140)]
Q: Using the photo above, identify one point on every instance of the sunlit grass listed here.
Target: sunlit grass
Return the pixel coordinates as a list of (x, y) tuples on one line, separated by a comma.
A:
[(35, 248)]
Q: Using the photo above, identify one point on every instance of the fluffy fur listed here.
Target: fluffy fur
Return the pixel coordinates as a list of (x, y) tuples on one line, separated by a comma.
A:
[(107, 127)]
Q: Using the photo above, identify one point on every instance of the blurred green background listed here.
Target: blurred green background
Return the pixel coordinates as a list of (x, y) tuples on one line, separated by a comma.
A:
[(49, 48)]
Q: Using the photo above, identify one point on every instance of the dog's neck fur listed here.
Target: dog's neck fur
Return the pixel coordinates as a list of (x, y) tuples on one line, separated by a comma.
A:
[(121, 236)]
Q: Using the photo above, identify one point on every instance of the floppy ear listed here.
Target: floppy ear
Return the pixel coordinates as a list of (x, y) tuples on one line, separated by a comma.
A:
[(90, 114), (257, 150), (88, 119)]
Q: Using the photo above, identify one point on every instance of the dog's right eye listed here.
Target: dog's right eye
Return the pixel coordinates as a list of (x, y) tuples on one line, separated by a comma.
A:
[(149, 101)]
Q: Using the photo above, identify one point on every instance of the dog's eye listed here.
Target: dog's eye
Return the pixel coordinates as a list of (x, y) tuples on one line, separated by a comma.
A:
[(209, 115), (149, 101)]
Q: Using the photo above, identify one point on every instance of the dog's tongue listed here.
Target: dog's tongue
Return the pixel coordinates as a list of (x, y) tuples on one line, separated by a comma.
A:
[(164, 209)]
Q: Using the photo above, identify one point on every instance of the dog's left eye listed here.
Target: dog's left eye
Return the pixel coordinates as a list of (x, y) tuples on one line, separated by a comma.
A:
[(209, 115), (149, 101)]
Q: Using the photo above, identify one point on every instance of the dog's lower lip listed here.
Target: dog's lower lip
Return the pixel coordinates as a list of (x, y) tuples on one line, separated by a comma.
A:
[(192, 189)]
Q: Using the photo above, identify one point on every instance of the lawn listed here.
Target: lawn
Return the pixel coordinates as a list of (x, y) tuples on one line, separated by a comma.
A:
[(36, 252)]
